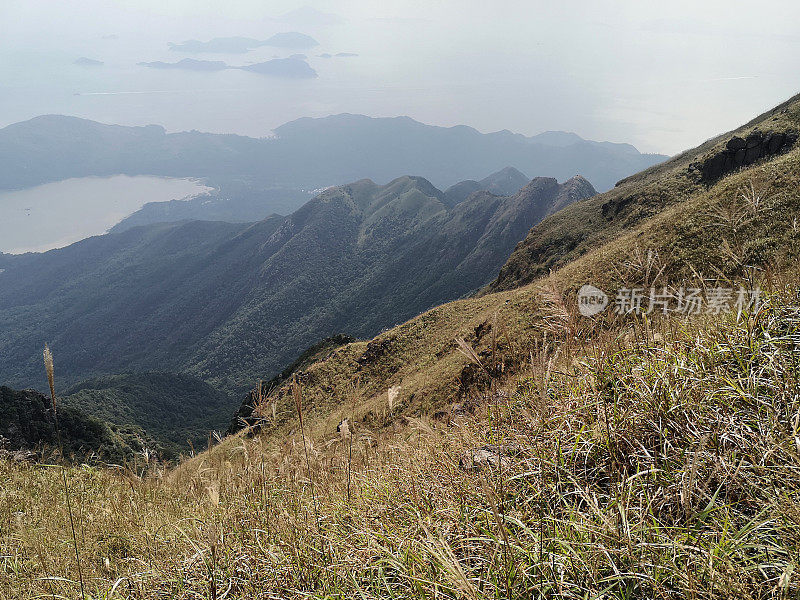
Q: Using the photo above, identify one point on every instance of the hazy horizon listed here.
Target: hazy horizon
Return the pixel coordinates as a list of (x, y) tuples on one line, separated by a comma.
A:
[(663, 78)]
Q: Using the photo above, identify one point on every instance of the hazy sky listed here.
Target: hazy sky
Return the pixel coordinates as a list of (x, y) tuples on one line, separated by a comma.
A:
[(661, 75)]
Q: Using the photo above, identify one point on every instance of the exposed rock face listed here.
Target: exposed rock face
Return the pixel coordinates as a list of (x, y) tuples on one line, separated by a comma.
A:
[(740, 152), (488, 456)]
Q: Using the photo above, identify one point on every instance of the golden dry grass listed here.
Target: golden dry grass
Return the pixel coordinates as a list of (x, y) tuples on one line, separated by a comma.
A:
[(659, 464)]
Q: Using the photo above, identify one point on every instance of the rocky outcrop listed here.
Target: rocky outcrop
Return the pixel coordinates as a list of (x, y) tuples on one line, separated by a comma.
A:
[(741, 152), (489, 456)]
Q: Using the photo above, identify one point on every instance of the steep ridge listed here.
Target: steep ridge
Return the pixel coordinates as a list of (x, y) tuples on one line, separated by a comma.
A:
[(651, 237), (229, 303), (587, 225)]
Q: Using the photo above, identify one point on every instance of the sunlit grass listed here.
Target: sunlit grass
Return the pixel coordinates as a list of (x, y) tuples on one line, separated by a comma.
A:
[(662, 464)]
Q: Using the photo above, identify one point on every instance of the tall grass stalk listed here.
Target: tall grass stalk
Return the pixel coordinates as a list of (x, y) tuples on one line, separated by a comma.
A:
[(297, 393), (49, 368)]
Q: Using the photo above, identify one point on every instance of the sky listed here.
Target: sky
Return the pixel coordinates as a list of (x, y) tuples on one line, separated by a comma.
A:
[(663, 76)]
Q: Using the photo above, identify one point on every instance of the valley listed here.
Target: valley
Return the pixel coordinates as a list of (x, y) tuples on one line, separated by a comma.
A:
[(230, 303)]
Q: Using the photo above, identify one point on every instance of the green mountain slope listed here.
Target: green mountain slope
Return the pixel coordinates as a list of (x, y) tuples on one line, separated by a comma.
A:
[(28, 425), (176, 410), (231, 303), (665, 226)]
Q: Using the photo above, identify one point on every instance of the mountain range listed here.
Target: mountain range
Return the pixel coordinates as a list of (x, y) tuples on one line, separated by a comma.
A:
[(503, 444), (307, 154), (229, 303), (667, 228)]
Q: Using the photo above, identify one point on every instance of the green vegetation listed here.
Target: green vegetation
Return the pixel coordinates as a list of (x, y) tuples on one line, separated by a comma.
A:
[(28, 431), (179, 411), (231, 304)]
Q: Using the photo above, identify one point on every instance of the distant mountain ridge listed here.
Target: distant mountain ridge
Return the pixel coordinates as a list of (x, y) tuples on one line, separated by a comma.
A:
[(229, 303), (239, 204), (305, 154), (505, 182)]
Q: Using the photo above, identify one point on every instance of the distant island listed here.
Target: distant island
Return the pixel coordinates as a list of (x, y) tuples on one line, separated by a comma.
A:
[(337, 55), (88, 62), (188, 64), (287, 68), (242, 45)]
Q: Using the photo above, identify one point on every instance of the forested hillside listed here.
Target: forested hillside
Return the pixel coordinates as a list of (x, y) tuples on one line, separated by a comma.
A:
[(232, 303)]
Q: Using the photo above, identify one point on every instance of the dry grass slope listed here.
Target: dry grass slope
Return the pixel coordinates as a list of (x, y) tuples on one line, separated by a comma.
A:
[(588, 225), (659, 463)]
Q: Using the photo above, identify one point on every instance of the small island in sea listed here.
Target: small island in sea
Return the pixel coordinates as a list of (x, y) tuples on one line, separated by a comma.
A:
[(242, 45), (88, 62)]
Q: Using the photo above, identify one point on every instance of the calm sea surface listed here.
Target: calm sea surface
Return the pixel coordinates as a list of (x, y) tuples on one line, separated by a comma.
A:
[(58, 214)]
